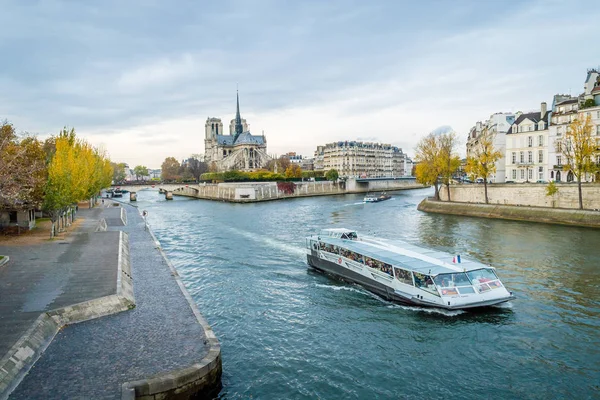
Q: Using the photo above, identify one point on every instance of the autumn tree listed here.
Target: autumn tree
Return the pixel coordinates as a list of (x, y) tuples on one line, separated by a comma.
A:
[(482, 162), (427, 157), (579, 148), (332, 175), (22, 169), (448, 159), (293, 171), (170, 169)]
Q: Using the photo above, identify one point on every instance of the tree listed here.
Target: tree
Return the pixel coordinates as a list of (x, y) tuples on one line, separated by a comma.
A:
[(448, 160), (427, 156), (332, 175), (22, 169), (482, 163), (170, 169), (197, 167), (293, 171), (578, 148), (140, 170), (119, 174), (551, 190)]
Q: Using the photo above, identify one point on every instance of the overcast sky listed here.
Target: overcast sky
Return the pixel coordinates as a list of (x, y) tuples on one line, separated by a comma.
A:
[(139, 78)]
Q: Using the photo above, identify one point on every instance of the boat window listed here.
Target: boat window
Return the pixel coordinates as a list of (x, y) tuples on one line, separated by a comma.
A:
[(404, 276), (351, 255), (452, 280), (425, 282), (376, 264), (482, 275)]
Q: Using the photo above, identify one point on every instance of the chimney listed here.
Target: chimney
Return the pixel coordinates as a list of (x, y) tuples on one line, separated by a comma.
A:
[(543, 110), (478, 125)]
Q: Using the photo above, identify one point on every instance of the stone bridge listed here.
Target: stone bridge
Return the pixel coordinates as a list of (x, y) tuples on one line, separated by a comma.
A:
[(153, 186)]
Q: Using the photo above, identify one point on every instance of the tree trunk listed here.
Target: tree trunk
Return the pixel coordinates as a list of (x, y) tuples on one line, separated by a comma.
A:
[(448, 190), (437, 191), (580, 195), (485, 189)]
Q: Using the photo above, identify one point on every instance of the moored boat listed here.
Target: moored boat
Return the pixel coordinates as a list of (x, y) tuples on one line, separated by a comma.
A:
[(404, 273)]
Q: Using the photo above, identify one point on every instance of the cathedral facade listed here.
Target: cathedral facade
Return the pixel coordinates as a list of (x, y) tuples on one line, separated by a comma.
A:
[(238, 150)]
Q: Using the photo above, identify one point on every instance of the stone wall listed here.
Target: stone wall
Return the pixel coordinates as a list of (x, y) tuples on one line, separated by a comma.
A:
[(533, 214), (523, 194), (260, 191)]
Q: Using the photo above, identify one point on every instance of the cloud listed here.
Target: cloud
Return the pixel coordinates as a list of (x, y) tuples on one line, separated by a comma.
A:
[(141, 77)]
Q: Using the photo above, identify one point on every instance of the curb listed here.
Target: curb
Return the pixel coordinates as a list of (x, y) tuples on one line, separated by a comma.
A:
[(199, 380), (15, 364)]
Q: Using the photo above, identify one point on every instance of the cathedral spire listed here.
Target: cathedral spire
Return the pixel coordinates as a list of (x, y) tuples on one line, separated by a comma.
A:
[(238, 120)]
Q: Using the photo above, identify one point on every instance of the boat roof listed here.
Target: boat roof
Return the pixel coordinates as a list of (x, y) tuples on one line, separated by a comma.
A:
[(402, 254)]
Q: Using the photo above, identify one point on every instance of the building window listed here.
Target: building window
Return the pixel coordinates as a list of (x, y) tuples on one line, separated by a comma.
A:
[(530, 173), (558, 130), (541, 156), (514, 157), (541, 173), (514, 174), (522, 157), (558, 147), (559, 160), (541, 140), (530, 141), (522, 174), (530, 157)]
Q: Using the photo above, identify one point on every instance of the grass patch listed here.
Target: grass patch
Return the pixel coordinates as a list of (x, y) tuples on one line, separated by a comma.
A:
[(42, 219)]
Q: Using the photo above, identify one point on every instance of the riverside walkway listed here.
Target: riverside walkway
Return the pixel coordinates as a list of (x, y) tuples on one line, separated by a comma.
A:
[(160, 346)]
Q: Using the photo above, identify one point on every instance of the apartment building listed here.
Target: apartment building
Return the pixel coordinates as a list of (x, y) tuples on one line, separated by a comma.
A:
[(353, 159), (527, 147)]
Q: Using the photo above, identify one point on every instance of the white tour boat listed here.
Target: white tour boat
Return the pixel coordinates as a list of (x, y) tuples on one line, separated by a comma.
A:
[(405, 273), (371, 198)]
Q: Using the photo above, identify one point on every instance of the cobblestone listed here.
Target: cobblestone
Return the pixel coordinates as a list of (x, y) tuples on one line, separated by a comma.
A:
[(93, 359)]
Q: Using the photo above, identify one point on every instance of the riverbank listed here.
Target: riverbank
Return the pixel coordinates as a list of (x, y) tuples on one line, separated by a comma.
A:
[(157, 346), (254, 192), (548, 215)]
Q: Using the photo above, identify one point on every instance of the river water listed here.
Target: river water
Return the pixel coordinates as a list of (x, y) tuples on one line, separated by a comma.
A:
[(290, 333)]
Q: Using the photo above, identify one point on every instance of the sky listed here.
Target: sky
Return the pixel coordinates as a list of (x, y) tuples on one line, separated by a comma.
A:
[(139, 78)]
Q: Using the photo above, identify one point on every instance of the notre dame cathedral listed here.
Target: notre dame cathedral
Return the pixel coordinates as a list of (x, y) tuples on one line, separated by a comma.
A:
[(239, 150)]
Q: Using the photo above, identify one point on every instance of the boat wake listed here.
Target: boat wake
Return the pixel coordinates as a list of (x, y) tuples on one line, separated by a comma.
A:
[(285, 247), (440, 311)]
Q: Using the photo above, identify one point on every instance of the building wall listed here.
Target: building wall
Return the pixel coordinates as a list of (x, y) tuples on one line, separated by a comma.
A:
[(526, 195), (358, 159), (528, 145)]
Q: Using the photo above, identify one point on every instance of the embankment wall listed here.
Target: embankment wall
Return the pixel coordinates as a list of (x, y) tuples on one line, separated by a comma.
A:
[(533, 195), (517, 213)]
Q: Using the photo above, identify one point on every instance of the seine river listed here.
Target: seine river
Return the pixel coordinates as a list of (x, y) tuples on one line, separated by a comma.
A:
[(290, 333)]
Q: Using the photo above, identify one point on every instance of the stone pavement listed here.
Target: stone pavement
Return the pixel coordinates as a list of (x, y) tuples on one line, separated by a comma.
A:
[(54, 274), (93, 359)]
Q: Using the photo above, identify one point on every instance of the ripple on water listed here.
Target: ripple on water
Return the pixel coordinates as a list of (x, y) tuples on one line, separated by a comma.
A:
[(287, 332)]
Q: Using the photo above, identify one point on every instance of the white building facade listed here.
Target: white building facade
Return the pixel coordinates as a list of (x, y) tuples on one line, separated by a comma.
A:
[(353, 159), (527, 147), (496, 126)]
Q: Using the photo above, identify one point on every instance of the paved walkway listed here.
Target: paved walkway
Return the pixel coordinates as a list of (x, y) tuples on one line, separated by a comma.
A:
[(93, 359), (54, 274)]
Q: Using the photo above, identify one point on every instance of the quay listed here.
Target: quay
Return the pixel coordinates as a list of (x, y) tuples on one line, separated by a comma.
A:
[(101, 313), (252, 192), (561, 216)]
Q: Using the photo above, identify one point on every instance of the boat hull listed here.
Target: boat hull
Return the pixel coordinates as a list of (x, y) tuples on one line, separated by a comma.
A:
[(385, 291)]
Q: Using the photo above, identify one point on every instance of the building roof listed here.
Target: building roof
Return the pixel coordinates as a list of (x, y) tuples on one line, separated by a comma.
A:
[(570, 101), (243, 138), (533, 116)]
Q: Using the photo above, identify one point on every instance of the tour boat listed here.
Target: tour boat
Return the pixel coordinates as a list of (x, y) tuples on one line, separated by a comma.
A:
[(369, 198), (404, 273)]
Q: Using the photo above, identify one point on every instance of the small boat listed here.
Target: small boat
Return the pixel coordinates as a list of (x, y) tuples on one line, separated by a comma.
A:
[(369, 198), (405, 273)]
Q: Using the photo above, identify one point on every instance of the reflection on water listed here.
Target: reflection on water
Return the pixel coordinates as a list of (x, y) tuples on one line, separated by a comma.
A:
[(289, 332)]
